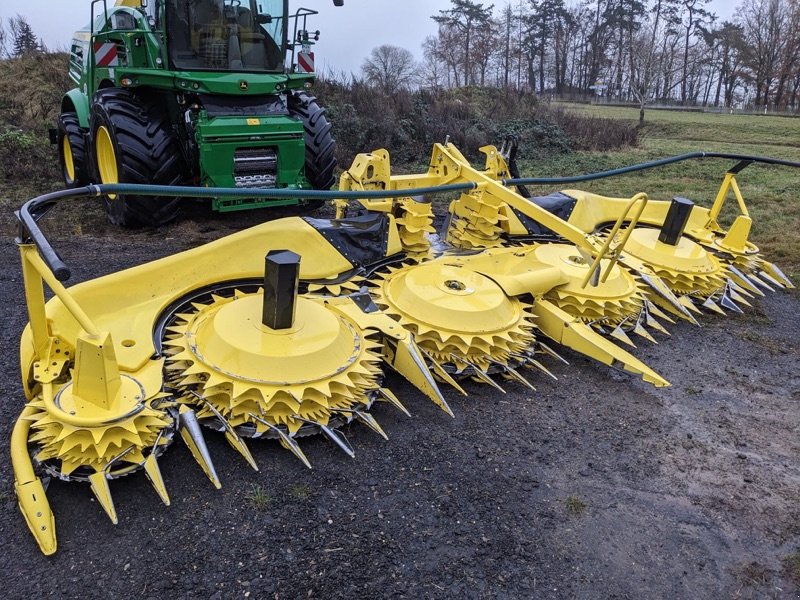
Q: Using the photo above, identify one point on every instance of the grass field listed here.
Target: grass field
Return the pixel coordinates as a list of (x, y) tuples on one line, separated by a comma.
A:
[(771, 193)]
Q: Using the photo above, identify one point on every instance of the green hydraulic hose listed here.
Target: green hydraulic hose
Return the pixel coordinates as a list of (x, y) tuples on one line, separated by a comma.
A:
[(34, 209), (648, 165)]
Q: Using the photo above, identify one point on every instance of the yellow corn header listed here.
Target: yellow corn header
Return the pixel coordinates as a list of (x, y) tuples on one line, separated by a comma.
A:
[(287, 329)]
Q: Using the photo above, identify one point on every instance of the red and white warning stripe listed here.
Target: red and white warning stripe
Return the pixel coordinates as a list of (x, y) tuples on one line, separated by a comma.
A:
[(105, 54), (305, 62)]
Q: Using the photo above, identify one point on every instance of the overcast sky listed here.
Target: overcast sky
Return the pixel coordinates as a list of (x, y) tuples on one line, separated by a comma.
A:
[(348, 33)]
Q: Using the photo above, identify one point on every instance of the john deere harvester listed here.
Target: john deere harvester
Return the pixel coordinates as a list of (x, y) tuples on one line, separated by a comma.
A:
[(194, 92), (287, 329)]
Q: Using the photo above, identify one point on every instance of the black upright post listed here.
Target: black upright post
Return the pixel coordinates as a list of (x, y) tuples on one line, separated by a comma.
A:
[(281, 280), (675, 223)]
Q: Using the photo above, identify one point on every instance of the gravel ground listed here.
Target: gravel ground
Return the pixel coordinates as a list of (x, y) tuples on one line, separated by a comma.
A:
[(596, 486)]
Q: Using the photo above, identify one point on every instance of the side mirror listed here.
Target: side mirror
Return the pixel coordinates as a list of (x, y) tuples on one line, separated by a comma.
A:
[(264, 19), (338, 2)]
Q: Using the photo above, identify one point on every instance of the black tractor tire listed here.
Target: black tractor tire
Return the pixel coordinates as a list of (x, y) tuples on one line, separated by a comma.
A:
[(320, 145), (146, 150), (71, 141)]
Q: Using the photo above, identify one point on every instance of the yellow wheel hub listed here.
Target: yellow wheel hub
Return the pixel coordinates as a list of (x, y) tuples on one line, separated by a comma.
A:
[(457, 315), (69, 160), (252, 374), (687, 268), (106, 157), (612, 301), (74, 445)]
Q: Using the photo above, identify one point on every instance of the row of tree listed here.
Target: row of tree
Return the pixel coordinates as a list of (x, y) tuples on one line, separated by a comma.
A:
[(643, 51)]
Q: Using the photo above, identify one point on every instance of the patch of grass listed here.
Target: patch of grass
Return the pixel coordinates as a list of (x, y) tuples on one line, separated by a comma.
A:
[(300, 492), (774, 347), (575, 505), (752, 574), (791, 566), (259, 498)]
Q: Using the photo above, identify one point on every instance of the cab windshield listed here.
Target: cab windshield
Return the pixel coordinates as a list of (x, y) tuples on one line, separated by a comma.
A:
[(226, 35)]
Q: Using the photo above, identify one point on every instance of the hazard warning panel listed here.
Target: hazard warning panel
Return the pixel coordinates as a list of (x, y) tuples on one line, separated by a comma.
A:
[(105, 54), (305, 62)]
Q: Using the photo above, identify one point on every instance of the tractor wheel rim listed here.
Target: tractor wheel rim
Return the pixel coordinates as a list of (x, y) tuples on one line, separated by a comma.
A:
[(106, 158), (69, 162)]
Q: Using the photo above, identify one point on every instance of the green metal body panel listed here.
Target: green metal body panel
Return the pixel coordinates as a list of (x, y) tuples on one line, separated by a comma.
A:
[(77, 102), (143, 62), (205, 82), (219, 138)]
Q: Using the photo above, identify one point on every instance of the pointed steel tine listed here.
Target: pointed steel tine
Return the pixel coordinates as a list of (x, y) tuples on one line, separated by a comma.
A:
[(193, 438), (754, 287), (290, 444), (687, 302), (511, 372), (771, 279), (619, 334), (732, 292), (518, 377), (641, 331), (389, 397), (238, 444), (102, 491), (286, 441), (653, 324), (655, 311), (410, 363), (662, 291), (599, 328), (371, 422), (738, 288), (484, 377), (711, 305), (153, 473), (234, 439), (338, 438), (736, 297), (756, 279), (548, 350), (780, 275), (743, 280), (441, 372), (543, 369), (730, 304)]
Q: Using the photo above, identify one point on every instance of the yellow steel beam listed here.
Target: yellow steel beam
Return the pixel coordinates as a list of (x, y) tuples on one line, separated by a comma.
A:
[(30, 492)]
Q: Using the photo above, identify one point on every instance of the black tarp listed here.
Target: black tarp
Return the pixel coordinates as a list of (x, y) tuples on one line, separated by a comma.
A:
[(362, 240)]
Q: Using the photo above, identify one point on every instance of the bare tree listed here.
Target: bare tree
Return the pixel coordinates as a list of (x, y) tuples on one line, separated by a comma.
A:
[(790, 57), (465, 17), (390, 68), (695, 19), (433, 72), (3, 40), (763, 23)]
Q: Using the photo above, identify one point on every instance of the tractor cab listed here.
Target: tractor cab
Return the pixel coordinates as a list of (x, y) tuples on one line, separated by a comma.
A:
[(227, 35)]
